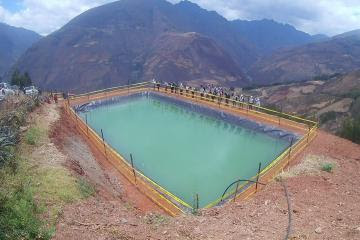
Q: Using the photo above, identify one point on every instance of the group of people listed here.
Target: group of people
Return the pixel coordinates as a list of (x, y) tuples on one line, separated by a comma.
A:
[(210, 89)]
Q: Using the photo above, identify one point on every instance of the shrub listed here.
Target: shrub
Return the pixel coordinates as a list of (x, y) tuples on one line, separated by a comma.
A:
[(86, 189), (351, 130), (352, 94), (355, 109), (328, 116), (327, 167)]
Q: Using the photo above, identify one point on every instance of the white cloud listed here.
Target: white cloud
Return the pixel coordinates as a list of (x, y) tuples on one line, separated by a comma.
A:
[(321, 16), (46, 16), (312, 16)]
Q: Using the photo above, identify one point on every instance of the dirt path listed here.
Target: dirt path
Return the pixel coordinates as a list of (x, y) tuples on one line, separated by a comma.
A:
[(324, 205)]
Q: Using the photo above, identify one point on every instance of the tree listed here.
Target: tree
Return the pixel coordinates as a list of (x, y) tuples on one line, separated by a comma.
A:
[(27, 80), (16, 78), (351, 130), (21, 80)]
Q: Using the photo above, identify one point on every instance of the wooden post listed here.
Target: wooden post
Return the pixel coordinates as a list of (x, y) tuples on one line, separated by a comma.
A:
[(76, 120), (102, 136), (257, 177), (237, 187), (132, 165), (197, 201), (291, 147), (87, 127)]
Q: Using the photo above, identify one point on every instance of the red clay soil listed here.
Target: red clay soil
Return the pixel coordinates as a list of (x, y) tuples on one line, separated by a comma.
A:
[(85, 160), (324, 206)]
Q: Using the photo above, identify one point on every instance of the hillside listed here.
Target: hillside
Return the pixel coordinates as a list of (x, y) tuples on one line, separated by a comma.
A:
[(67, 189), (118, 43), (13, 43), (331, 101), (338, 55), (178, 56)]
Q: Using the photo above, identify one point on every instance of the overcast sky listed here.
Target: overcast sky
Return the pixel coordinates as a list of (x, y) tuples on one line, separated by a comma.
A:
[(313, 16)]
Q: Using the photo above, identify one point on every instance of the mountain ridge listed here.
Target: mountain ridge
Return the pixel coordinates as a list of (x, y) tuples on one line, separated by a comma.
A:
[(109, 45), (336, 55), (13, 43)]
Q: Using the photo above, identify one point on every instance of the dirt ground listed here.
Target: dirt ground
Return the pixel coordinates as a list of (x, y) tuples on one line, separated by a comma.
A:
[(323, 205)]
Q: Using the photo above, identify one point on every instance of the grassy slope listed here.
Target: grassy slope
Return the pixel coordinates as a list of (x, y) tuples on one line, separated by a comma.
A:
[(34, 192)]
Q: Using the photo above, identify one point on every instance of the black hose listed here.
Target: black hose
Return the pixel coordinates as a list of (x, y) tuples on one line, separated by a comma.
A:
[(288, 231), (240, 180)]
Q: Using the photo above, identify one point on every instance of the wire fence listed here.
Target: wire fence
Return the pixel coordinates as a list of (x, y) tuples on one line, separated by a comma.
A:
[(172, 204)]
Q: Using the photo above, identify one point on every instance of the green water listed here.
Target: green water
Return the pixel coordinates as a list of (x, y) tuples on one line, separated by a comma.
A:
[(185, 152)]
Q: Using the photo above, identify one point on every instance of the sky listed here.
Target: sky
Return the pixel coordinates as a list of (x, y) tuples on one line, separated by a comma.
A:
[(329, 17)]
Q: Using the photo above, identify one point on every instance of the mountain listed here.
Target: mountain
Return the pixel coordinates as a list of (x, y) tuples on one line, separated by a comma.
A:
[(138, 40), (180, 56), (352, 34), (316, 60), (268, 35), (13, 43), (118, 43)]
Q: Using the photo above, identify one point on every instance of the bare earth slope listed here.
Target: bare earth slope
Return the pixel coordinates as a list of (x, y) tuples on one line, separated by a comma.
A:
[(331, 100), (324, 205)]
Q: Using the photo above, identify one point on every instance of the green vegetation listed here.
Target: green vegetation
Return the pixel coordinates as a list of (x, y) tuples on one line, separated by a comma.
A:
[(351, 130), (21, 80), (7, 150), (10, 122), (355, 109), (33, 189), (32, 136), (327, 167), (55, 187), (328, 116), (86, 189), (18, 210), (352, 94)]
